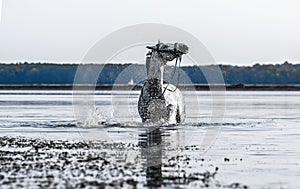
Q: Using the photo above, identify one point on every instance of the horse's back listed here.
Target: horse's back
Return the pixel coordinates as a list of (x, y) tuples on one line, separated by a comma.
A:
[(175, 101)]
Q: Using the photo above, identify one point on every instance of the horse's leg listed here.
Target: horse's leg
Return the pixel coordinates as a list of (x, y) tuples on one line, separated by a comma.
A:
[(180, 116), (142, 107)]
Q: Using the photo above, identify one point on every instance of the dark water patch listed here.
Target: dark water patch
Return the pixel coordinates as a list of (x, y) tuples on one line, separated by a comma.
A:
[(104, 124), (50, 124), (33, 93), (236, 185), (35, 103), (228, 124), (262, 154)]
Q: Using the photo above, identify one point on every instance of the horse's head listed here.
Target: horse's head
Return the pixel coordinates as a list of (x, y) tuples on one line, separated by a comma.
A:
[(169, 51), (160, 54)]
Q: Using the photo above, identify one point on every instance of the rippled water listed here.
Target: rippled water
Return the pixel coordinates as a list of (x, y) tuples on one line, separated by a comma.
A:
[(256, 144)]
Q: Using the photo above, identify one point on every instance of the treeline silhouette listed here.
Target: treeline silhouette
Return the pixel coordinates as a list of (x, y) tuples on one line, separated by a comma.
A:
[(40, 73)]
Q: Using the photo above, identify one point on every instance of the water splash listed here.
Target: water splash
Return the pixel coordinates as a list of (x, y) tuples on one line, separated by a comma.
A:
[(94, 118)]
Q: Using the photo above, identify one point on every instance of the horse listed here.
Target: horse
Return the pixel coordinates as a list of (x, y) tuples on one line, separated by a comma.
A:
[(159, 102)]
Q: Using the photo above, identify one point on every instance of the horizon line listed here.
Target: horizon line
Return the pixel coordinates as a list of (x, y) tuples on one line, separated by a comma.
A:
[(215, 63)]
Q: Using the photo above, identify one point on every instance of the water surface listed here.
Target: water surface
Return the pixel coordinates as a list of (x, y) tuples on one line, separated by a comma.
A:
[(257, 144)]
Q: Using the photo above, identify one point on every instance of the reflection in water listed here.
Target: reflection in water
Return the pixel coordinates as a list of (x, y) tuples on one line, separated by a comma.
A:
[(151, 144)]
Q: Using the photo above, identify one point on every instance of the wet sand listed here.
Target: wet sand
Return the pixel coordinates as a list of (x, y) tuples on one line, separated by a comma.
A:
[(39, 163)]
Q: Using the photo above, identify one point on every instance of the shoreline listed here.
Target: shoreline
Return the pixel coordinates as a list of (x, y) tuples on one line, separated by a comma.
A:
[(197, 87)]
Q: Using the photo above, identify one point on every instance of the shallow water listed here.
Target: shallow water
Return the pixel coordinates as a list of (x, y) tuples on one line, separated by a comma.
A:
[(256, 143)]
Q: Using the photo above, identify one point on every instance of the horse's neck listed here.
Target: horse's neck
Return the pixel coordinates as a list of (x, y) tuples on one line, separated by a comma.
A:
[(154, 82), (155, 68)]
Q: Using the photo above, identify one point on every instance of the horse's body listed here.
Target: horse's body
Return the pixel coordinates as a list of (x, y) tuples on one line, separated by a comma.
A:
[(158, 102)]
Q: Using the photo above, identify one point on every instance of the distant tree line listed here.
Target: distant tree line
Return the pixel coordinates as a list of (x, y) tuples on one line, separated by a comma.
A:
[(38, 73)]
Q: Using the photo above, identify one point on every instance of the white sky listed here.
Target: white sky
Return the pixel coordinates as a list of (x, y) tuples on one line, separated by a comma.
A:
[(0, 10), (239, 32)]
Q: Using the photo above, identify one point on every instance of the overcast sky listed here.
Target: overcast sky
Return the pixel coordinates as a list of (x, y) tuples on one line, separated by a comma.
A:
[(239, 32)]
